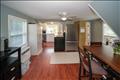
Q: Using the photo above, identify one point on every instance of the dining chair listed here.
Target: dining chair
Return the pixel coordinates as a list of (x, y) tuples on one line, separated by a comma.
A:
[(91, 67)]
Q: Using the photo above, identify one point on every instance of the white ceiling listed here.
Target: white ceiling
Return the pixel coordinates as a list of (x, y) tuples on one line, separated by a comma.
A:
[(50, 9)]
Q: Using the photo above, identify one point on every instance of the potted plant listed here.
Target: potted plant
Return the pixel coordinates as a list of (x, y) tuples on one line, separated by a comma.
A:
[(116, 47)]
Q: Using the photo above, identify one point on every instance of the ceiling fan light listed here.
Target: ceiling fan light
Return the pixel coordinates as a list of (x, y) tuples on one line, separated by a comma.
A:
[(64, 18)]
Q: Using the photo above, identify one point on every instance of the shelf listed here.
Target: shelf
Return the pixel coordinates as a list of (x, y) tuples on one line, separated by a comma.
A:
[(5, 54)]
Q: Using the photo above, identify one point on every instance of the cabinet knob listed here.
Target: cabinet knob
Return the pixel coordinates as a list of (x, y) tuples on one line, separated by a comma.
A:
[(13, 78), (12, 69)]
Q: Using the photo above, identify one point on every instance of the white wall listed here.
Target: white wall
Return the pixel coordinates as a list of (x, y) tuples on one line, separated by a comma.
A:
[(108, 11), (119, 18), (5, 11)]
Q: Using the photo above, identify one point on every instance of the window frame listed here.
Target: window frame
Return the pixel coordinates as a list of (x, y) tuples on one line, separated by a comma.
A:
[(24, 33)]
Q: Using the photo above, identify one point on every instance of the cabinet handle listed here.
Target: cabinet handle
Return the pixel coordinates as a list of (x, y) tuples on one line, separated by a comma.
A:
[(13, 78), (12, 69)]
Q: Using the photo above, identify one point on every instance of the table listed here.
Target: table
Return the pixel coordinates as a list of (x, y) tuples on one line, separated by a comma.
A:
[(105, 54)]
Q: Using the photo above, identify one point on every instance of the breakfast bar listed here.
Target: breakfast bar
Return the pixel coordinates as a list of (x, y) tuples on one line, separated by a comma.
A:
[(106, 56)]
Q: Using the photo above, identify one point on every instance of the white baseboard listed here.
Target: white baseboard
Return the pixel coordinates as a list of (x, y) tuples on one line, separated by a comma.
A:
[(38, 52)]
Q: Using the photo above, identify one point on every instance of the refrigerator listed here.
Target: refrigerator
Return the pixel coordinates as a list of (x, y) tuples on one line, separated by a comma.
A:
[(71, 39)]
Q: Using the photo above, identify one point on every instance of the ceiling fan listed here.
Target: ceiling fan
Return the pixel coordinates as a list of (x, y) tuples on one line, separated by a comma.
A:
[(64, 16)]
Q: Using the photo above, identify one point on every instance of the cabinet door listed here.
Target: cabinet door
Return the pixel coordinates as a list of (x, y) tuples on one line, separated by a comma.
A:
[(1, 76)]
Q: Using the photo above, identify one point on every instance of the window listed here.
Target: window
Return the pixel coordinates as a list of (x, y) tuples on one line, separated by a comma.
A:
[(108, 34), (108, 31), (17, 28)]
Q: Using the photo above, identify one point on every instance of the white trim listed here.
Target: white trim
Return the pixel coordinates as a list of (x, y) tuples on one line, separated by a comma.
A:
[(18, 18), (38, 52), (96, 12)]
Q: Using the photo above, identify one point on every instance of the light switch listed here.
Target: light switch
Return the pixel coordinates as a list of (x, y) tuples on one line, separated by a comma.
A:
[(82, 30)]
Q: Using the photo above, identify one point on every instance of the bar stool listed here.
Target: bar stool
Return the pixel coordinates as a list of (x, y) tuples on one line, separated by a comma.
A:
[(94, 70)]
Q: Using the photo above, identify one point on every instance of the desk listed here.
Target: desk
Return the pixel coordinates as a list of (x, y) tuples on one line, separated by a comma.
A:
[(105, 54)]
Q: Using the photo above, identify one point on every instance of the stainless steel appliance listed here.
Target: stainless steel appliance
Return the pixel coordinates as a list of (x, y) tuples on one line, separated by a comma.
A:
[(71, 40)]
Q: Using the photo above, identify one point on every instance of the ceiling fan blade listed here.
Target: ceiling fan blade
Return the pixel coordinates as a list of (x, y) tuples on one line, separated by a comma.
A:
[(72, 17)]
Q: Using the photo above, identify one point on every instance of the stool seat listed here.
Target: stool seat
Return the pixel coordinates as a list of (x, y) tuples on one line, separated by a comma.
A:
[(92, 67), (96, 68)]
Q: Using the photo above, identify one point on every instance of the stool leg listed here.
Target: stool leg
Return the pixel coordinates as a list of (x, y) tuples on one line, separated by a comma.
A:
[(84, 72), (80, 70)]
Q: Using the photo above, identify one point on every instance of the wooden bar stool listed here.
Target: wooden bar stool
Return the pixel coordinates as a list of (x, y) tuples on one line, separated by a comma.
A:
[(93, 69)]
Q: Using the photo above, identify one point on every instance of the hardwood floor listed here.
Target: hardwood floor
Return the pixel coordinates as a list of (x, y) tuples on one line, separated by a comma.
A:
[(41, 69), (48, 44)]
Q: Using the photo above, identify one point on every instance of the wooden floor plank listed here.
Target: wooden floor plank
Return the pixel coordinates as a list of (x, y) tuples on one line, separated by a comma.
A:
[(41, 69)]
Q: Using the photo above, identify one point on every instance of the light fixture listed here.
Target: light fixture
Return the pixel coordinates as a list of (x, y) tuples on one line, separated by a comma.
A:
[(64, 18), (52, 23)]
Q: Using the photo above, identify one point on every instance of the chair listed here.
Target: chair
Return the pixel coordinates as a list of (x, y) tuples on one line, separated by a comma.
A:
[(94, 70)]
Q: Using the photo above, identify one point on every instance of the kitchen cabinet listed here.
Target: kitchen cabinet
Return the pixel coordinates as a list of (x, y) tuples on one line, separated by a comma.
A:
[(35, 38)]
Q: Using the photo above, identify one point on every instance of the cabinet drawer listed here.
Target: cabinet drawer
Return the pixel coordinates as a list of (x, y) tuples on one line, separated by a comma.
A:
[(12, 69), (26, 56), (13, 77)]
